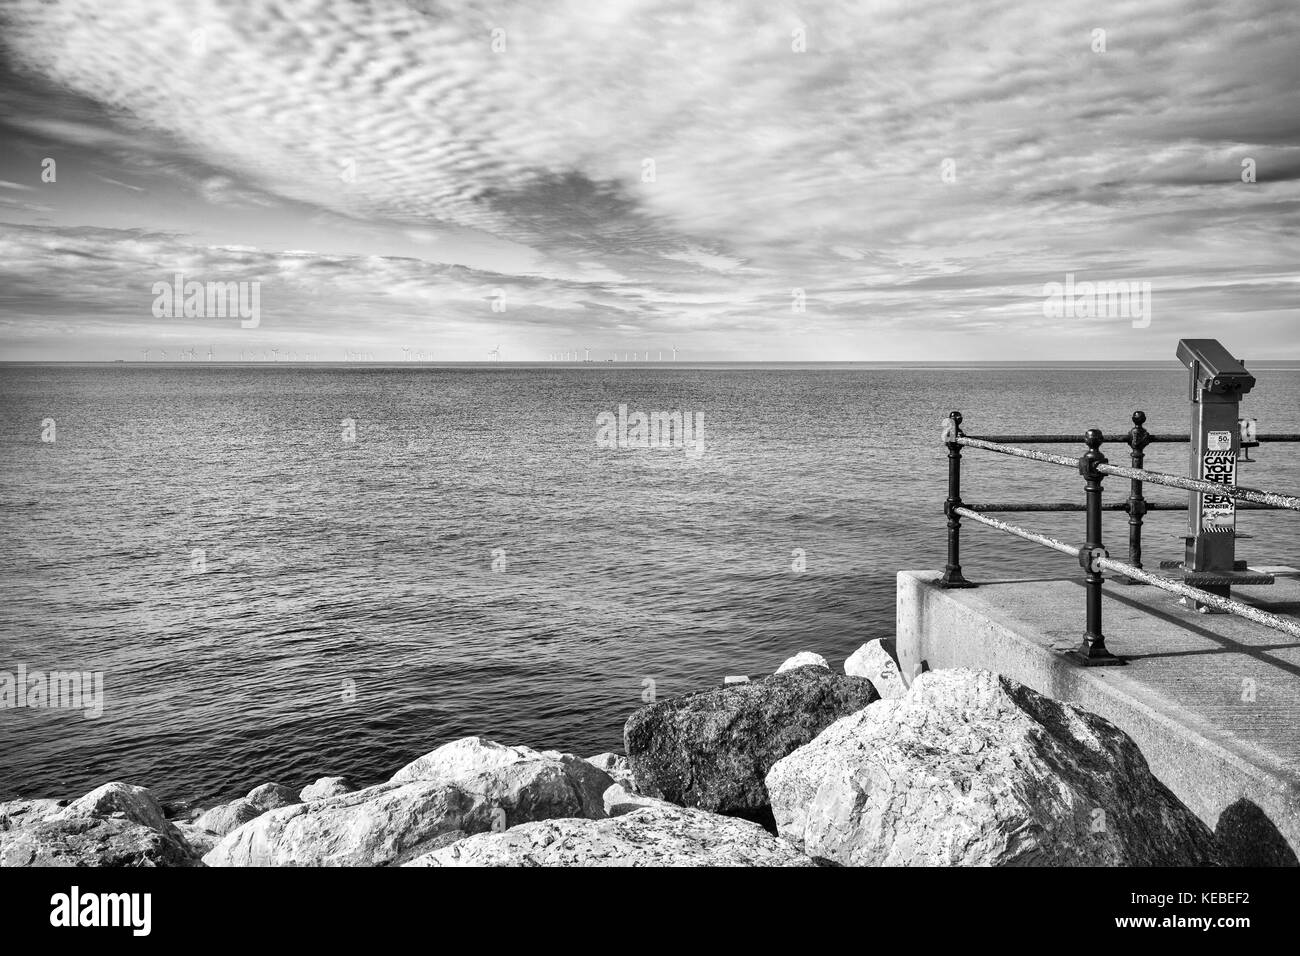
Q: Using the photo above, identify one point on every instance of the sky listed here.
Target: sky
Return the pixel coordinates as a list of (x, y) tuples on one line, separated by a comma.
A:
[(743, 181)]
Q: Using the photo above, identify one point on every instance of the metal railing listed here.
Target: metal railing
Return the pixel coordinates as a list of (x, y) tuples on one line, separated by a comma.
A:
[(1092, 555)]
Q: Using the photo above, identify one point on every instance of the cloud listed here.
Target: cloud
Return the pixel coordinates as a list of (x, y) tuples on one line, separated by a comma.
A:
[(686, 167)]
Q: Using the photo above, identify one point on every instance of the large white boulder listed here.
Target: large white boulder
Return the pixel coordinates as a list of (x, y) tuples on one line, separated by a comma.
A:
[(651, 836), (391, 822), (970, 768)]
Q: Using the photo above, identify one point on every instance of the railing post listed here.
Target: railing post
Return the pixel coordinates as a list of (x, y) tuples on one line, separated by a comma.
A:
[(952, 576), (1092, 650), (1138, 439)]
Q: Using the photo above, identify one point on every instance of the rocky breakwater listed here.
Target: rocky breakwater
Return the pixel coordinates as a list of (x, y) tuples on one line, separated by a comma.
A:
[(805, 767)]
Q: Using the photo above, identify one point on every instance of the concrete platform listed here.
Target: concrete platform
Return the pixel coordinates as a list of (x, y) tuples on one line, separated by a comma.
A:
[(1212, 700)]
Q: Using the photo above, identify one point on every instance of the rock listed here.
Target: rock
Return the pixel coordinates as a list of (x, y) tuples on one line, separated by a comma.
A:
[(613, 764), (228, 817), (94, 841), (199, 839), (460, 758), (620, 799), (272, 796), (19, 813), (878, 663), (652, 836), (472, 756), (973, 769), (373, 826), (114, 825), (713, 748), (392, 822), (442, 840), (225, 818), (803, 659), (1247, 837), (117, 799), (181, 810), (326, 787)]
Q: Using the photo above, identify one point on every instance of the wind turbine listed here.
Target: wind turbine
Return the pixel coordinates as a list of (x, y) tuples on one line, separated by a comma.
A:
[(495, 353), (674, 353), (587, 349)]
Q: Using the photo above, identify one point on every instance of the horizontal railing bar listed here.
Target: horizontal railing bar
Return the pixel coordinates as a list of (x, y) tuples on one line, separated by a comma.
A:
[(1121, 438), (1018, 452), (1042, 506), (1114, 506), (1019, 532), (1267, 498), (1075, 439), (1248, 611), (1228, 605)]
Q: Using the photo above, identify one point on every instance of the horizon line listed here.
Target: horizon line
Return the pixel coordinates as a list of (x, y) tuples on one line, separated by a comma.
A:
[(1275, 364)]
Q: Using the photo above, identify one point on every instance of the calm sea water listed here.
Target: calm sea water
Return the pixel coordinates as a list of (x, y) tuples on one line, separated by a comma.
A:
[(347, 616)]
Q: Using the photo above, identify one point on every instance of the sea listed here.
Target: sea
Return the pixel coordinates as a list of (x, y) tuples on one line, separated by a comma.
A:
[(284, 571)]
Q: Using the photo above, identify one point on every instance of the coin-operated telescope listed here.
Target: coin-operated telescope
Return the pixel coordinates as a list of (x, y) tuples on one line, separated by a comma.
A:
[(1216, 383)]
